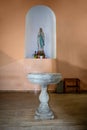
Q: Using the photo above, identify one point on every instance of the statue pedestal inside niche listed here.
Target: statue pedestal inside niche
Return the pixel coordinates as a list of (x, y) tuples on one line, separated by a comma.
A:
[(39, 54), (44, 111)]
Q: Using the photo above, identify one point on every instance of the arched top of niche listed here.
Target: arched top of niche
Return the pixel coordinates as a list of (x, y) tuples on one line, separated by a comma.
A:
[(40, 16)]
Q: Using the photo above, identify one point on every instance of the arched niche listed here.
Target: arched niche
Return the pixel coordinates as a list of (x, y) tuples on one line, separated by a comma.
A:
[(44, 17)]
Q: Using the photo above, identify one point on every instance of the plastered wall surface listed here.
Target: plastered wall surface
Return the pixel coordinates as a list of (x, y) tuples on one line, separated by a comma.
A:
[(71, 33)]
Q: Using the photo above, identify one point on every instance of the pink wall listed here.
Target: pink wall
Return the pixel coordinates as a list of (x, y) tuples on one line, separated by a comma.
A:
[(71, 29)]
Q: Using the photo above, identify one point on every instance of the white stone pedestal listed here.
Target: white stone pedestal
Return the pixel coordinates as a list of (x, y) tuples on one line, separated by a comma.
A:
[(44, 111)]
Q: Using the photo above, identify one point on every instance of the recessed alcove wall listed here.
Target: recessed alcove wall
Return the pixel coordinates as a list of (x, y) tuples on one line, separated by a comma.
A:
[(44, 17)]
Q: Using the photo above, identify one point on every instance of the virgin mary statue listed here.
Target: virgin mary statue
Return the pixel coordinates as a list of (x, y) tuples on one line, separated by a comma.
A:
[(40, 40)]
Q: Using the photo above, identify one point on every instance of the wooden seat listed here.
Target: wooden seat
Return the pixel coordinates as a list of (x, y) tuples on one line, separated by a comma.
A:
[(71, 84)]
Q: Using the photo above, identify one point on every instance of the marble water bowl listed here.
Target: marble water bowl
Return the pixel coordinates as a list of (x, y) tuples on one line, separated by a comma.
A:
[(44, 79)]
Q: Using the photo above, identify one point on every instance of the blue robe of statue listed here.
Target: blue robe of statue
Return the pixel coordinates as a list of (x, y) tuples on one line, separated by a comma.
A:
[(40, 41)]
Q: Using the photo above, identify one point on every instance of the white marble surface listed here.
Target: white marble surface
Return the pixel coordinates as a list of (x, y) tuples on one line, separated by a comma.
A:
[(44, 78)]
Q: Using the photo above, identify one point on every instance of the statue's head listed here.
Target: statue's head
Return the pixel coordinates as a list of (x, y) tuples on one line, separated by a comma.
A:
[(41, 29)]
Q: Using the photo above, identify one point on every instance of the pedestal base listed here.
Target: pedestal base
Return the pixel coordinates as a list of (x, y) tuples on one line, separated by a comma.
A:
[(44, 115)]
